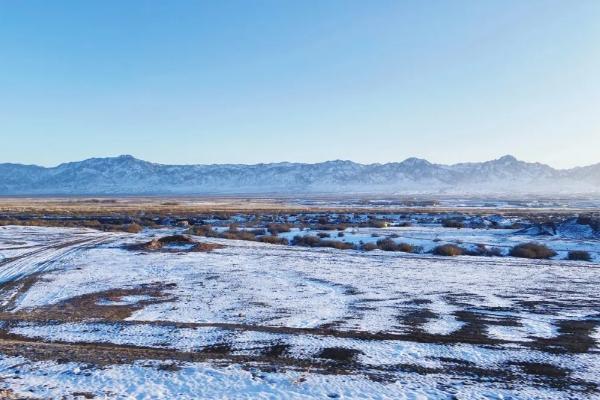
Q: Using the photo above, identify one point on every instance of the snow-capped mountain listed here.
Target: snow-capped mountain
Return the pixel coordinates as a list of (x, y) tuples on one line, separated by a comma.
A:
[(128, 175)]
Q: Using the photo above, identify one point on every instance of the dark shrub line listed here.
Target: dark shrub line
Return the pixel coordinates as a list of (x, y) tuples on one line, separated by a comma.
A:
[(530, 250)]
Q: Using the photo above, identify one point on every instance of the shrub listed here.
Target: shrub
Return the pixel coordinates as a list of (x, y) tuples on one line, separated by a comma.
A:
[(452, 223), (336, 244), (132, 228), (313, 241), (483, 250), (377, 223), (273, 240), (233, 228), (390, 245), (387, 245), (532, 250), (341, 234), (448, 250), (579, 255), (238, 235), (307, 241), (202, 230), (369, 246), (274, 229), (323, 235)]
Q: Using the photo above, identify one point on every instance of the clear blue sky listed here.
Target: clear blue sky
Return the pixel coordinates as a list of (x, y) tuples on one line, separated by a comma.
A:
[(259, 81)]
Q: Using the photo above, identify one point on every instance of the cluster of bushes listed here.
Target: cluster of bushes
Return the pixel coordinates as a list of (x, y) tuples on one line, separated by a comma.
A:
[(376, 223), (272, 240), (452, 250), (314, 241), (330, 227), (483, 250), (390, 245), (132, 227), (275, 229), (253, 235), (203, 230)]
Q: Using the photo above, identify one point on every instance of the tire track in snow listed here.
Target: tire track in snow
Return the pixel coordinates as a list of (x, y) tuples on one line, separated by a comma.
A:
[(43, 259)]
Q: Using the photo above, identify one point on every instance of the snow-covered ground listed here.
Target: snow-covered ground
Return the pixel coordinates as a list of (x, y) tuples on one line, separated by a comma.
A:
[(257, 320), (427, 237)]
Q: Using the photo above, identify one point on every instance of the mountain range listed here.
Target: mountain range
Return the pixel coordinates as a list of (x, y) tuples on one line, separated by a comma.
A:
[(127, 175)]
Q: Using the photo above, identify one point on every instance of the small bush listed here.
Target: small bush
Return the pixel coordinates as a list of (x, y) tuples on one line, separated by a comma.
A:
[(274, 229), (132, 228), (483, 250), (203, 230), (369, 247), (448, 250), (336, 244), (377, 223), (238, 235), (307, 241), (452, 223), (532, 250), (323, 235), (313, 241), (341, 234), (387, 245), (579, 255), (273, 240), (390, 245)]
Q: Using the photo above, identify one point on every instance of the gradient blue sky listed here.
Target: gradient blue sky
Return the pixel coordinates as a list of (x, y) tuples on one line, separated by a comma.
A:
[(260, 81)]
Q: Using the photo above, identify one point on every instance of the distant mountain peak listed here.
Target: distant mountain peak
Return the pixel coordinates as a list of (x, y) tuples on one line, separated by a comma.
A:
[(508, 159), (415, 161)]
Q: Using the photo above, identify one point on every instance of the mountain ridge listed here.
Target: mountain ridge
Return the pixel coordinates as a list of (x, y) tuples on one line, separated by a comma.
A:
[(126, 174)]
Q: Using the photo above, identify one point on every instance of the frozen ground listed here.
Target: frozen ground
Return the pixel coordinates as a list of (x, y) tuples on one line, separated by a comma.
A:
[(81, 315)]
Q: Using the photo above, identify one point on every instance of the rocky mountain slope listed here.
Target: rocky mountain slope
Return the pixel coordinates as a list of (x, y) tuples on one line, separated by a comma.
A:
[(128, 175)]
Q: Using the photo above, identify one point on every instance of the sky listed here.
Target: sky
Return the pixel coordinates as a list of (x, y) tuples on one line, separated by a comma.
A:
[(252, 81)]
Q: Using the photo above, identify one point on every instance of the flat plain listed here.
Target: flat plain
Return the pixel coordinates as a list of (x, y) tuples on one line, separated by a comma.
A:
[(188, 307)]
